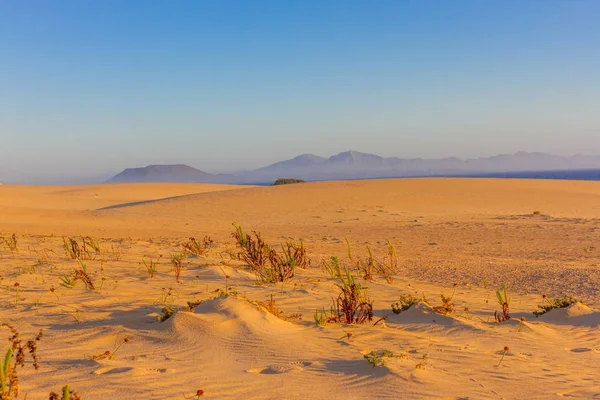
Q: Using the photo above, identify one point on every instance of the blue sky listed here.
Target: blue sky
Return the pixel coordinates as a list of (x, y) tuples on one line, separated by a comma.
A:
[(89, 87)]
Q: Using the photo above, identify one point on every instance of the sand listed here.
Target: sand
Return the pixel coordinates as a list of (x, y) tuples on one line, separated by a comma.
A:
[(458, 237)]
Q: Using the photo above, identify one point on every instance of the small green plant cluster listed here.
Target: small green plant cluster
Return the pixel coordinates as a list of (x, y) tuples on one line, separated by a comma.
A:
[(368, 266), (378, 358), (197, 248), (447, 306), (86, 249), (66, 394), (552, 304), (352, 305), (333, 267), (151, 266), (80, 274), (268, 266), (177, 263), (405, 302)]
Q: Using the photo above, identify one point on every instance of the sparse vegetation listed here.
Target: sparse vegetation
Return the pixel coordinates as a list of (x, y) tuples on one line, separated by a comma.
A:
[(194, 247), (504, 301), (15, 359), (151, 266), (504, 351), (87, 249), (553, 304), (378, 358), (272, 308), (405, 302), (66, 394), (10, 242), (332, 267), (177, 263), (447, 306), (80, 274), (268, 266), (352, 305)]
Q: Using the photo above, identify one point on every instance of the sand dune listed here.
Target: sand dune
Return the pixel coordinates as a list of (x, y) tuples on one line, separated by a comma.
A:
[(458, 237)]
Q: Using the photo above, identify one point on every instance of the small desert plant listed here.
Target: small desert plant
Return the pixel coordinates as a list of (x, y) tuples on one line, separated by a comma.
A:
[(447, 306), (254, 252), (166, 296), (377, 358), (194, 247), (15, 358), (151, 266), (115, 252), (199, 393), (11, 243), (352, 305), (110, 355), (505, 350), (176, 262), (391, 268), (17, 287), (423, 363), (267, 265), (321, 317), (294, 255), (552, 304), (80, 274), (333, 268), (66, 394), (88, 249), (365, 267), (272, 308), (405, 302), (504, 301)]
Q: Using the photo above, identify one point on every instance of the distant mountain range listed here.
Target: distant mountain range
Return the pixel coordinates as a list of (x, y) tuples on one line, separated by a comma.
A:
[(357, 165)]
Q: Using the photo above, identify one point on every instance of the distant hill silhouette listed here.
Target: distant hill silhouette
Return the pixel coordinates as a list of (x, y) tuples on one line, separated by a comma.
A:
[(161, 173), (357, 165)]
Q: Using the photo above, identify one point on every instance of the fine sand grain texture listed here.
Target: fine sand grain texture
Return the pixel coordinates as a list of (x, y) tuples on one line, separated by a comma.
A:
[(461, 238)]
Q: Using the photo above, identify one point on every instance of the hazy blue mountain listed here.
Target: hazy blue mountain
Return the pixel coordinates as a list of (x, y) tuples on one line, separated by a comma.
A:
[(357, 165)]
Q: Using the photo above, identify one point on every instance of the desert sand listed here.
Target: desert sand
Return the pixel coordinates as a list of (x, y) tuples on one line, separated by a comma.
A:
[(463, 238)]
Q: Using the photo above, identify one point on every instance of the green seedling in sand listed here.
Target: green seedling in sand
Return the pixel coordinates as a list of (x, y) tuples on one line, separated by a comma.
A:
[(405, 302), (321, 317), (378, 358), (151, 266), (332, 267), (504, 301), (553, 304), (176, 262), (66, 394)]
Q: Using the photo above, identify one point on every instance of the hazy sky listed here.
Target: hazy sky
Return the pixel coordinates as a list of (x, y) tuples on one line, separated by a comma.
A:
[(89, 87)]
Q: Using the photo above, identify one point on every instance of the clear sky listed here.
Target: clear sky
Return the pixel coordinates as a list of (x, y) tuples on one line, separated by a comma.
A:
[(89, 87)]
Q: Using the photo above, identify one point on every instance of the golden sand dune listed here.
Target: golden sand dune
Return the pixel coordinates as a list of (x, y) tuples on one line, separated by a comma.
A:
[(463, 238)]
